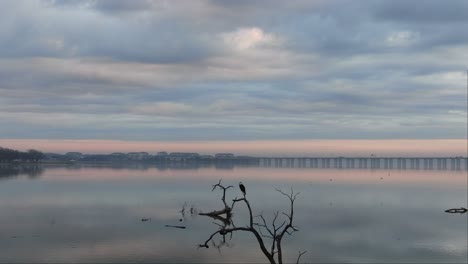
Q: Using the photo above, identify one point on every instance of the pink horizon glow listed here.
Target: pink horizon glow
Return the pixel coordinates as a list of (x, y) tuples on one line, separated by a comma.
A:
[(406, 147)]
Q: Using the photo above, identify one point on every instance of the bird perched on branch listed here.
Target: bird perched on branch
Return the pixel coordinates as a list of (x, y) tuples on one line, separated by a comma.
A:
[(242, 188)]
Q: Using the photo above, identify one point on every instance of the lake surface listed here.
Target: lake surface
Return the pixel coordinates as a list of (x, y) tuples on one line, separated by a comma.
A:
[(93, 214)]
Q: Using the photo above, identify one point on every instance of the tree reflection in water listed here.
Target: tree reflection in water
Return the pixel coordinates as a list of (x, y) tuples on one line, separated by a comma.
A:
[(9, 170)]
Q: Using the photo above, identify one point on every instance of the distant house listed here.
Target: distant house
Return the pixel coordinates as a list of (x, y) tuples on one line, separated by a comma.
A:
[(138, 155), (74, 155), (224, 156), (183, 156), (206, 157), (117, 156)]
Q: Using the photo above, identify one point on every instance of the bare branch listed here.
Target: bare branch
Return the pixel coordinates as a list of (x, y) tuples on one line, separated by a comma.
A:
[(226, 211), (299, 256), (280, 226), (247, 229), (265, 226), (292, 197), (248, 206), (220, 186), (205, 245), (220, 226), (274, 231), (260, 231)]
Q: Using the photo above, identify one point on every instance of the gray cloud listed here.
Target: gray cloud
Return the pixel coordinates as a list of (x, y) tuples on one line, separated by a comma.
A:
[(232, 69), (122, 5), (432, 11), (106, 6)]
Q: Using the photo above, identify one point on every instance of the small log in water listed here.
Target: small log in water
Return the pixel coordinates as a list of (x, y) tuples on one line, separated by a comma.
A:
[(180, 227), (226, 211), (460, 210)]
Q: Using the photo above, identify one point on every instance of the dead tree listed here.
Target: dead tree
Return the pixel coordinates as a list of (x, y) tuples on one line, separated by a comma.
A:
[(260, 229), (226, 210)]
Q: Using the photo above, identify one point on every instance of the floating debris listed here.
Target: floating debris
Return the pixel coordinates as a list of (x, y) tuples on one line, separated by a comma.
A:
[(145, 219), (460, 210), (173, 226), (182, 212)]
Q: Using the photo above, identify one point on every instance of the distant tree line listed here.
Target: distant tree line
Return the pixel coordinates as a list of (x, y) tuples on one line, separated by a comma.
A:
[(10, 155)]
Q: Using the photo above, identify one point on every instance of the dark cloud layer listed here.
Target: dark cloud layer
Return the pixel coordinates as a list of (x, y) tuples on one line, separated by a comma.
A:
[(430, 11), (171, 70)]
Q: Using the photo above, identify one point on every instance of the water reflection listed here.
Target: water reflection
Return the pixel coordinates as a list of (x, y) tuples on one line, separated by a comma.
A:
[(15, 170), (374, 163), (190, 165), (93, 214)]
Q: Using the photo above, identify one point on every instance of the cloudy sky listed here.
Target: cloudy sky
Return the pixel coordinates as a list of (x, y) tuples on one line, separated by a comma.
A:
[(206, 70)]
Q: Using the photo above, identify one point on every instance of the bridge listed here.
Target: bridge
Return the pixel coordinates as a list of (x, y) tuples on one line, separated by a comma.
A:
[(402, 163)]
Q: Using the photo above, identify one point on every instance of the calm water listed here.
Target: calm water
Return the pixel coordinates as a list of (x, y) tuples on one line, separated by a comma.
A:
[(89, 214)]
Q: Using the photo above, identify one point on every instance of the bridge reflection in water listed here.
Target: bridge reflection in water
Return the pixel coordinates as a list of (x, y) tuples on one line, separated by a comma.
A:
[(447, 163)]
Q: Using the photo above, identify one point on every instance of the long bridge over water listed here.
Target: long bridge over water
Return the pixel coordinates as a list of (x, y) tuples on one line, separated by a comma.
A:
[(414, 163)]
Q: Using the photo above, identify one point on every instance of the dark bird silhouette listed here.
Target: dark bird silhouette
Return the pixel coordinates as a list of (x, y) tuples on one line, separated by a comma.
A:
[(242, 188)]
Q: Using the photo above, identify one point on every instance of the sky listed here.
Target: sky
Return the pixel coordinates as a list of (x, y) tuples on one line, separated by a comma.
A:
[(166, 72)]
